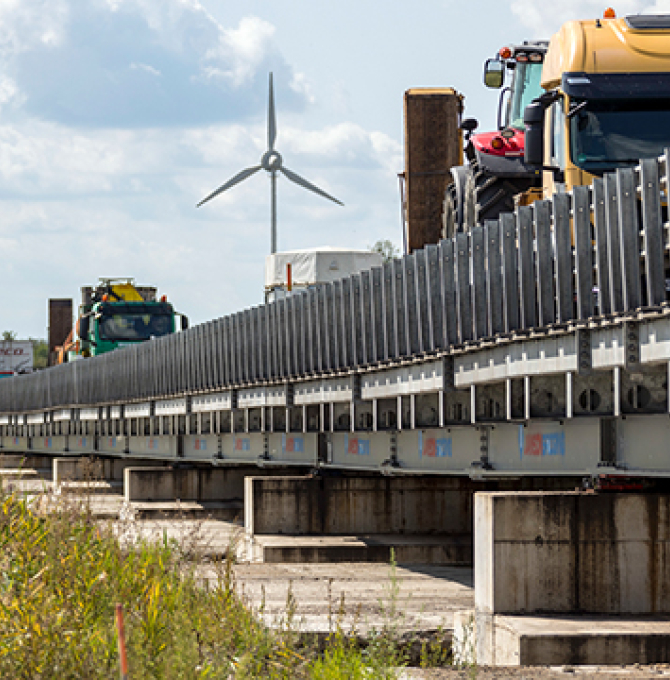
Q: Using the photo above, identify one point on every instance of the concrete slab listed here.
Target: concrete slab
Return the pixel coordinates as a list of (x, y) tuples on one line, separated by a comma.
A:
[(29, 485), (413, 549), (221, 510), (200, 539), (18, 473), (99, 507), (426, 599), (554, 640), (90, 487)]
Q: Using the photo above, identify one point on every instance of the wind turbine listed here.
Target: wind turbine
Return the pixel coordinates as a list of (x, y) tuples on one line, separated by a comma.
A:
[(272, 162)]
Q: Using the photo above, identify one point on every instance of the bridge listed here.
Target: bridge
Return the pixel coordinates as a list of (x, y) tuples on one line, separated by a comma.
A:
[(529, 353), (536, 344)]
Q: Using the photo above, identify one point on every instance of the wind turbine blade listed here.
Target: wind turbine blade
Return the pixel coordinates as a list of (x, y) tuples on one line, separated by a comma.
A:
[(240, 177), (300, 181), (272, 122)]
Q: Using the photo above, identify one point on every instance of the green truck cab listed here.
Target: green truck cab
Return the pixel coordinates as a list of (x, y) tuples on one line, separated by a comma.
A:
[(116, 313)]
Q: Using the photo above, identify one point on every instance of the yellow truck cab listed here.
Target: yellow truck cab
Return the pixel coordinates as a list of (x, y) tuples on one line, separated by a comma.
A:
[(607, 99)]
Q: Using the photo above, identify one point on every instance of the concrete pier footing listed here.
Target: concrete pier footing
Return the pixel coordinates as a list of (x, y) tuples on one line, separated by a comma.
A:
[(185, 484), (155, 492), (81, 469), (25, 473), (18, 461), (92, 475), (558, 555), (423, 519)]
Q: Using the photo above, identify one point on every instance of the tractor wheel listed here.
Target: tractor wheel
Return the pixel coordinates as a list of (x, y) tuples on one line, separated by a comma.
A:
[(494, 195), (458, 208), (449, 226)]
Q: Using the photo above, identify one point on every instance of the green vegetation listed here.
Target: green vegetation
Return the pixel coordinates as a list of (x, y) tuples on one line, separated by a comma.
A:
[(61, 575), (387, 249), (8, 336), (40, 352)]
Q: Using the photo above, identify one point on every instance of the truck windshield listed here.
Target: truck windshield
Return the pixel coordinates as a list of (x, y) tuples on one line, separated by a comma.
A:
[(133, 327), (610, 133), (525, 87)]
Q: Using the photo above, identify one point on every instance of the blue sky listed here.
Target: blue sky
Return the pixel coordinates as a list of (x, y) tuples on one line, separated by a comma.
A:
[(118, 116)]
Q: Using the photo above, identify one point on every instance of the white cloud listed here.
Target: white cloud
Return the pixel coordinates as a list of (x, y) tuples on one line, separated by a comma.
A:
[(146, 68), (25, 25), (300, 84), (544, 19), (79, 204), (111, 133), (241, 50), (346, 144), (85, 62)]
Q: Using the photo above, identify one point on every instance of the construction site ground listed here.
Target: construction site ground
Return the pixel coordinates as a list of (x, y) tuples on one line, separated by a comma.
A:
[(531, 672), (360, 598)]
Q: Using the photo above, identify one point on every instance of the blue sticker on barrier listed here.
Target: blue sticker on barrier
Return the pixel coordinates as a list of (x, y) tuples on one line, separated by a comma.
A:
[(537, 444)]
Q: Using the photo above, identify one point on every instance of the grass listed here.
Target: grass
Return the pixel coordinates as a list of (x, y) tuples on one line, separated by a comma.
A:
[(61, 575)]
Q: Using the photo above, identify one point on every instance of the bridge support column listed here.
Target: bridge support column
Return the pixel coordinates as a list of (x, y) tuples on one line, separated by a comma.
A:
[(153, 484), (76, 469), (9, 461), (215, 492), (569, 578), (424, 519), (15, 467), (91, 474)]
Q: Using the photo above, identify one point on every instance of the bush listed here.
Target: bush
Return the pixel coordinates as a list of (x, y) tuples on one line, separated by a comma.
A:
[(61, 575)]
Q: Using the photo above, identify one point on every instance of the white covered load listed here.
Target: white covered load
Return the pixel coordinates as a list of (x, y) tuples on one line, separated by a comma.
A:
[(312, 267)]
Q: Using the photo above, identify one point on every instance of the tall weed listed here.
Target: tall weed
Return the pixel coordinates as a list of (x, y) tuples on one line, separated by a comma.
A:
[(61, 575)]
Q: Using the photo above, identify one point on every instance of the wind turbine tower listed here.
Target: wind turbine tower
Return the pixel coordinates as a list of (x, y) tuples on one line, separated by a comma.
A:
[(272, 162)]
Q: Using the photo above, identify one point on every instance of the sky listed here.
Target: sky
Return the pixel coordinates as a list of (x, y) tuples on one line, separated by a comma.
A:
[(118, 116)]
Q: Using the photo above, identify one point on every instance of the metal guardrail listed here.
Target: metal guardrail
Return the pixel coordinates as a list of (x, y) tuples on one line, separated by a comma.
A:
[(596, 251)]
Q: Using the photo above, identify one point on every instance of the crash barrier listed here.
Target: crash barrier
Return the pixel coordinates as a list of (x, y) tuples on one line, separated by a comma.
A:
[(595, 251)]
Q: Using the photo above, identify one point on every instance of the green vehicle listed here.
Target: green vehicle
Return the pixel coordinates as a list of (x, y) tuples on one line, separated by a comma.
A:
[(116, 313)]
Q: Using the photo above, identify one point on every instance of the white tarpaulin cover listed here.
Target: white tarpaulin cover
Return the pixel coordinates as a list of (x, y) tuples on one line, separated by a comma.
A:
[(16, 355), (321, 265)]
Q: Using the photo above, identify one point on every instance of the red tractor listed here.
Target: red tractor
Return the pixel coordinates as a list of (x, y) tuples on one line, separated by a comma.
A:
[(495, 172)]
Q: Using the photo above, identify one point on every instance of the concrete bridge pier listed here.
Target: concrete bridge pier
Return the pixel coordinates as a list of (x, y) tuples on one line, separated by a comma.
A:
[(359, 518), (93, 475), (569, 578), (196, 492), (24, 472)]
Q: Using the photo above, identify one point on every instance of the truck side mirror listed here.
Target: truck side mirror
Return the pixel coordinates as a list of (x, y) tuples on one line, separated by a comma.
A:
[(184, 322), (84, 327), (469, 125), (533, 118), (494, 73)]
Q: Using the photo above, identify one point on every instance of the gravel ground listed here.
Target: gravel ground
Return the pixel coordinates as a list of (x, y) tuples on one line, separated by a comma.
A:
[(530, 672)]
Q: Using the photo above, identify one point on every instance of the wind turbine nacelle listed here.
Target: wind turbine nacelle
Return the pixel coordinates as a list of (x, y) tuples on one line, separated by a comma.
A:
[(271, 160)]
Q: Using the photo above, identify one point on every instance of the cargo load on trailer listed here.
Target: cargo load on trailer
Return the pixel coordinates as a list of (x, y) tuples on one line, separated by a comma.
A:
[(495, 171), (298, 270)]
